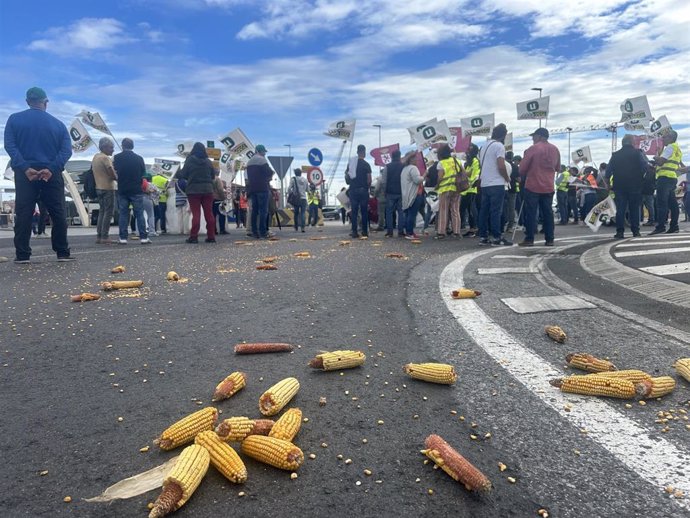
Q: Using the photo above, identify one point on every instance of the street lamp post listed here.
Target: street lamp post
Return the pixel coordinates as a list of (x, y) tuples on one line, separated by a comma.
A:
[(538, 90), (289, 149), (569, 130), (379, 127), (282, 187)]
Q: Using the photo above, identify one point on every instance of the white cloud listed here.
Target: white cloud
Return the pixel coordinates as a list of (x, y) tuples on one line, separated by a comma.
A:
[(84, 35)]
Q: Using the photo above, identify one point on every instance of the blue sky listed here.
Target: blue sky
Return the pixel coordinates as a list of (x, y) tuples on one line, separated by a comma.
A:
[(163, 72)]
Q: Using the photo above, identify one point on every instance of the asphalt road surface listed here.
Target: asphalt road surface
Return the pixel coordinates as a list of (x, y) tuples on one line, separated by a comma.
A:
[(85, 386)]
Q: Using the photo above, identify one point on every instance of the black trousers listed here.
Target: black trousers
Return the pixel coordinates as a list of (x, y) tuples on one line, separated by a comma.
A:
[(52, 195)]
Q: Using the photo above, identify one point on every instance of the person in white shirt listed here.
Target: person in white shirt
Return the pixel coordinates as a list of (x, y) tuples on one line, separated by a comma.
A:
[(493, 180)]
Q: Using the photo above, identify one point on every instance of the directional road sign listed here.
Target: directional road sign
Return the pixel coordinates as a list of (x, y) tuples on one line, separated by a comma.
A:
[(315, 176), (315, 157)]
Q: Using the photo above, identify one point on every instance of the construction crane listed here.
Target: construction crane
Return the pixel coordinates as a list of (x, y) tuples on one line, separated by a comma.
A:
[(331, 173), (611, 128)]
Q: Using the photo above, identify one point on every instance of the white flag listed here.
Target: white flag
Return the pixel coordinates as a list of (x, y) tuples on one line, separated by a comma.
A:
[(430, 132), (660, 127), (601, 213), (635, 125), (343, 130), (238, 145), (477, 125), (635, 108), (508, 143), (165, 167), (413, 130), (81, 140), (533, 109), (582, 155), (95, 121), (228, 167), (184, 148), (9, 172)]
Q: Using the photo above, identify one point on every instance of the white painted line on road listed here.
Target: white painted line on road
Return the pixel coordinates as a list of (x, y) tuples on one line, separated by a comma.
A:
[(667, 269), (636, 242), (654, 459), (500, 256), (525, 305), (499, 271), (662, 237), (657, 251)]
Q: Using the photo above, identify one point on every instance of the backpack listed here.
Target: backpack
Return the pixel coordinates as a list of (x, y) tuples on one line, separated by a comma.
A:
[(89, 183)]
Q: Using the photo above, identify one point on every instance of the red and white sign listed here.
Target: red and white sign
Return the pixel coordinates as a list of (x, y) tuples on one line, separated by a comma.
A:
[(382, 155), (315, 176)]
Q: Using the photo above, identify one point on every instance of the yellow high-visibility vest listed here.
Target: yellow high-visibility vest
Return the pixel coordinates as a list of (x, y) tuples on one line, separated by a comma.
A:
[(472, 174), (670, 167), (447, 183), (312, 198), (563, 186)]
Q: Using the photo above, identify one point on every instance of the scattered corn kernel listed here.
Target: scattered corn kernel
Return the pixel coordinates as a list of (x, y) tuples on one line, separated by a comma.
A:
[(312, 456), (144, 449), (43, 473), (367, 472), (512, 480), (380, 421), (502, 467), (430, 491), (364, 441), (348, 461), (293, 476), (67, 499), (642, 403), (149, 506), (241, 493)]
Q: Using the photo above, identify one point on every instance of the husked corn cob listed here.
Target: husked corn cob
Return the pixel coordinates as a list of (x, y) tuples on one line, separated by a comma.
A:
[(344, 243), (395, 255), (182, 480), (655, 387), (230, 386), (223, 457), (457, 466), (589, 363), (556, 334), (85, 297), (275, 398), (267, 267), (118, 269), (237, 429), (184, 430), (634, 375), (173, 276), (333, 360), (271, 259), (682, 367), (276, 452), (268, 347), (465, 293), (302, 254), (432, 372), (288, 425), (596, 385), (121, 285)]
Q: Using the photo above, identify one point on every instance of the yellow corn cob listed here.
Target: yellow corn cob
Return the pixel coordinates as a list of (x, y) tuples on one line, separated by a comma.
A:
[(433, 372), (302, 254), (457, 466), (271, 259), (230, 386), (223, 457), (184, 430), (182, 480), (655, 387), (237, 429), (556, 334), (288, 425), (85, 297), (173, 276), (121, 285), (596, 385), (276, 452), (267, 267), (682, 367), (589, 363), (465, 293), (118, 269), (634, 375), (275, 398), (334, 360)]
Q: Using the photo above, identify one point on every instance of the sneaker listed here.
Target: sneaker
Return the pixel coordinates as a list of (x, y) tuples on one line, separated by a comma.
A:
[(526, 243), (153, 234), (675, 230), (192, 240), (145, 241), (637, 234), (134, 238), (122, 241), (549, 243), (210, 240), (618, 236), (412, 236), (484, 241), (106, 241), (469, 233), (22, 261), (439, 236), (389, 234), (66, 259), (648, 224), (501, 242), (657, 231)]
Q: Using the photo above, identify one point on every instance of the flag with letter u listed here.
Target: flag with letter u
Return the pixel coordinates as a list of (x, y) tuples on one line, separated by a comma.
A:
[(81, 140), (95, 121), (343, 130), (582, 155)]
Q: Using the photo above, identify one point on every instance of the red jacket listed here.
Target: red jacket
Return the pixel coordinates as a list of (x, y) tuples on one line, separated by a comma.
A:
[(539, 166)]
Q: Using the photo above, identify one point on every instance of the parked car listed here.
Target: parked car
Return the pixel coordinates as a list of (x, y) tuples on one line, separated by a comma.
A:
[(331, 212)]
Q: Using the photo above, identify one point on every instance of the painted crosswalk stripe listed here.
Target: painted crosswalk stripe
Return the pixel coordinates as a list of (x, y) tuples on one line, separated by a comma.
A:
[(500, 256), (668, 269), (656, 251), (659, 242), (499, 271), (525, 305), (662, 237)]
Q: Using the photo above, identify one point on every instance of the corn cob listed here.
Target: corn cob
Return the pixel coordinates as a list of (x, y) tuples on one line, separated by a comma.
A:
[(288, 425), (465, 293), (271, 259), (433, 372), (329, 361), (223, 457), (302, 254), (237, 429), (275, 452), (118, 269), (184, 430), (275, 398), (230, 386), (182, 480), (457, 466), (173, 276), (655, 387), (556, 334), (596, 385), (344, 243), (85, 297), (395, 255), (269, 347), (416, 241), (589, 363), (682, 367), (634, 375), (267, 267), (121, 285)]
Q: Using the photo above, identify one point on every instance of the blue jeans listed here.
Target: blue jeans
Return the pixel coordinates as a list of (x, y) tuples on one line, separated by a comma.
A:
[(666, 200), (313, 214), (259, 213), (300, 209), (394, 203), (490, 211), (137, 201), (648, 202), (562, 197), (359, 201), (411, 215), (630, 202), (588, 205), (543, 202)]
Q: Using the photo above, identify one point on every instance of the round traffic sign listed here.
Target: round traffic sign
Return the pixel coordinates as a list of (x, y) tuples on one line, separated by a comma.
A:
[(315, 176), (315, 157)]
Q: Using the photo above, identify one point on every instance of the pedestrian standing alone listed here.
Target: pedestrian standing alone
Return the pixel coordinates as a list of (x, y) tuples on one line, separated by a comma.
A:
[(39, 147), (449, 199), (199, 174), (412, 188), (259, 176), (299, 185), (358, 177), (130, 171), (105, 177), (625, 173)]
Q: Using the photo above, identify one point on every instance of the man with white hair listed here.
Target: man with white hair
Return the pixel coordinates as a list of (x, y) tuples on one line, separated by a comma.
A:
[(625, 172), (105, 176)]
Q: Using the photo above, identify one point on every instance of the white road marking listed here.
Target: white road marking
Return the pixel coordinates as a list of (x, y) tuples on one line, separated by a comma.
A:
[(668, 269), (653, 458), (662, 237), (501, 256), (499, 271), (525, 305), (657, 251), (636, 242)]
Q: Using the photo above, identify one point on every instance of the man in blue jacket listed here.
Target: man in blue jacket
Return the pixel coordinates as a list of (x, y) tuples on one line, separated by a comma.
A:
[(39, 147), (259, 176)]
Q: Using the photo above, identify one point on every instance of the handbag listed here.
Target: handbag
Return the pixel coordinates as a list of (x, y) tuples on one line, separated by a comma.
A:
[(294, 198), (462, 181), (218, 189)]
